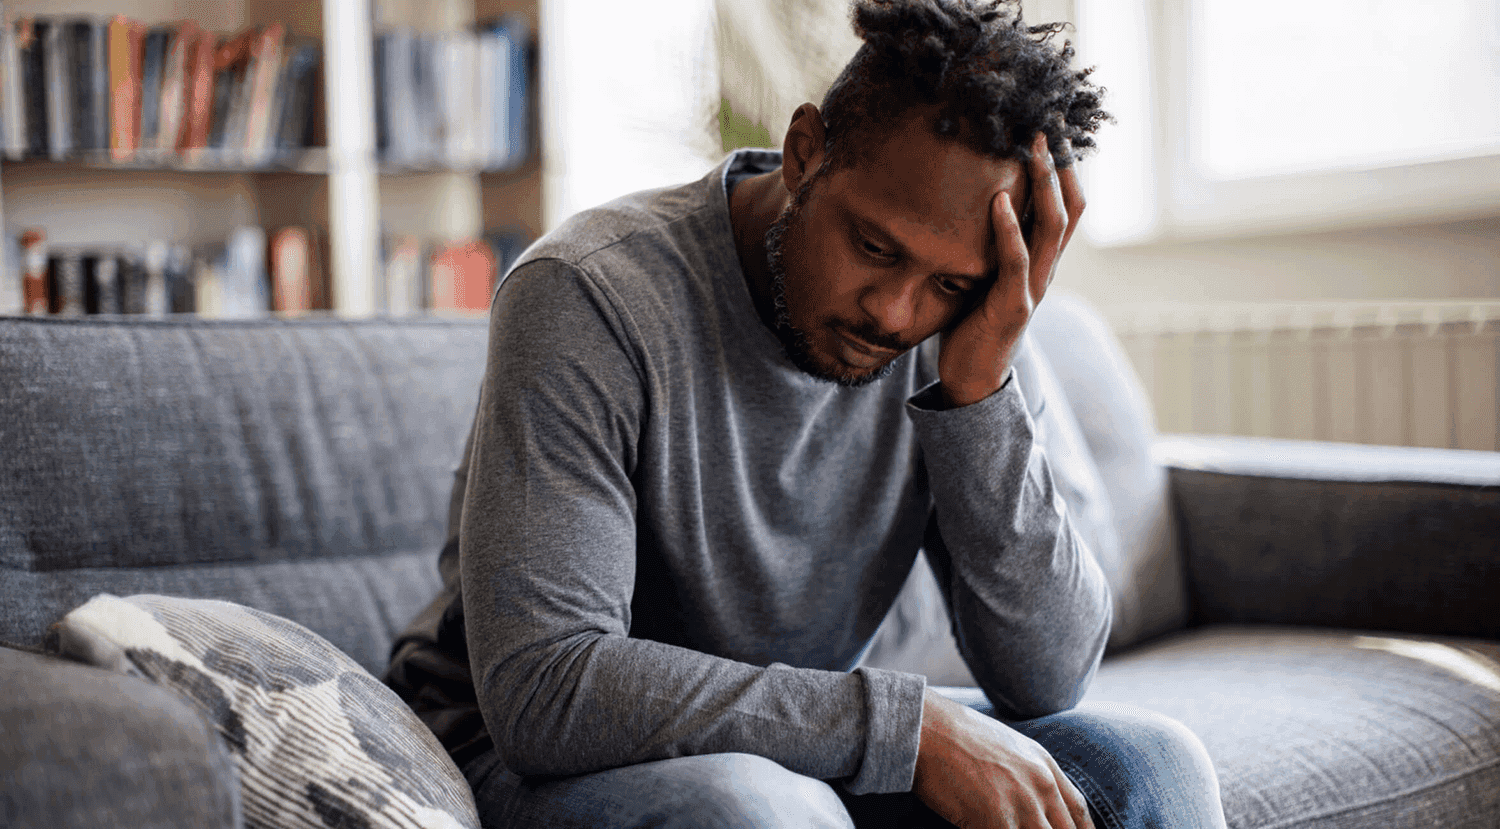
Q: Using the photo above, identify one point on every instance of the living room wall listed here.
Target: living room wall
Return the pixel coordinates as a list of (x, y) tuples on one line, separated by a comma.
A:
[(1424, 260)]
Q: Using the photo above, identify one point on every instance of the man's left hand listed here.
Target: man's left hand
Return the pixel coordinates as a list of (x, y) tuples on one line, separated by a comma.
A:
[(977, 352)]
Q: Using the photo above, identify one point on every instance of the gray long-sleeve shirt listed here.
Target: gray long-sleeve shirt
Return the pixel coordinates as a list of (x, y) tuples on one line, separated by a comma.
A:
[(670, 541)]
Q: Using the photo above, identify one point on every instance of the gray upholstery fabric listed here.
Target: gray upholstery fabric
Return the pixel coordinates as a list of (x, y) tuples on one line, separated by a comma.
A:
[(360, 603), (301, 467), (82, 748), (1320, 729), (1114, 414), (1289, 532)]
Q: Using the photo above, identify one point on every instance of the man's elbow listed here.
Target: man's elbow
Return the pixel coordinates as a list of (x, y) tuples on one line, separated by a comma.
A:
[(1057, 687)]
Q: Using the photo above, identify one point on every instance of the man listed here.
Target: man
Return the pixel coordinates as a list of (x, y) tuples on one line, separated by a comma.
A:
[(717, 423)]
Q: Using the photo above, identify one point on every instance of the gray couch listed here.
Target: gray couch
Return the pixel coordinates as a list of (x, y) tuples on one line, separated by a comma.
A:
[(1326, 618)]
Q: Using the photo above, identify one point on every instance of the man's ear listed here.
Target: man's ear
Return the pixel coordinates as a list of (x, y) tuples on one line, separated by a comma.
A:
[(802, 149)]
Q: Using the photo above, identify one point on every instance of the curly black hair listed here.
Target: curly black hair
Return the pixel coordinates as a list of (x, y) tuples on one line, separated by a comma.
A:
[(994, 80)]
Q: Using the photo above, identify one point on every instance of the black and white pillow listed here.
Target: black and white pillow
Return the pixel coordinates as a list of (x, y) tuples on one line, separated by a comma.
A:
[(318, 741)]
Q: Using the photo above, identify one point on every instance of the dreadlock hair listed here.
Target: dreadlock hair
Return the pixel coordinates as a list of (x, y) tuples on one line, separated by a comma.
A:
[(993, 80)]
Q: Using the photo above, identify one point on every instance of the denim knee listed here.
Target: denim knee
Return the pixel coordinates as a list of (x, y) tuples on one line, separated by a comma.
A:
[(1137, 768), (745, 790)]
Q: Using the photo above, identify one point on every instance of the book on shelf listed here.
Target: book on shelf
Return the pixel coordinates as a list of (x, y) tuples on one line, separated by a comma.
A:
[(175, 86), (295, 96), (34, 273), (224, 116), (265, 71), (463, 275), (65, 285), (291, 269), (454, 99), (84, 41), (198, 92), (96, 88), (513, 92), (12, 110), (404, 283), (506, 246), (153, 66), (126, 47), (57, 84), (32, 59), (101, 283)]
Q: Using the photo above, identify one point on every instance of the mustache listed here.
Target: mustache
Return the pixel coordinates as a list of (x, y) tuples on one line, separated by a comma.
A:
[(866, 331)]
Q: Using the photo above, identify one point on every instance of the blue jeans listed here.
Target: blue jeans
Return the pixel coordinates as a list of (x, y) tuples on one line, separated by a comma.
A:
[(1136, 768)]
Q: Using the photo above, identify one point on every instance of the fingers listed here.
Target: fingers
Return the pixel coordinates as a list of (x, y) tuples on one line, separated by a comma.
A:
[(1010, 296), (1077, 807), (1051, 225), (1072, 192)]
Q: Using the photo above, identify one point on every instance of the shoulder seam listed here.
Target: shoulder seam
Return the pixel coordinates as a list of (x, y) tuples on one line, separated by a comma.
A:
[(626, 324)]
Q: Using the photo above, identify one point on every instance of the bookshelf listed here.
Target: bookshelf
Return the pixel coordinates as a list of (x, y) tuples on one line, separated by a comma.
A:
[(345, 188)]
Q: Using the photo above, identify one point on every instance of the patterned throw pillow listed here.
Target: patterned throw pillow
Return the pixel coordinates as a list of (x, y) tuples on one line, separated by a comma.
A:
[(319, 742)]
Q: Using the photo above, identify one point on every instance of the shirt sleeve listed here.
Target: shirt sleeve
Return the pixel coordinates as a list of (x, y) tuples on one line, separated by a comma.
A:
[(1030, 606), (547, 548)]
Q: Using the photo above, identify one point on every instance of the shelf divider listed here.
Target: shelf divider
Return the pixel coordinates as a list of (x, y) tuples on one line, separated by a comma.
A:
[(353, 184)]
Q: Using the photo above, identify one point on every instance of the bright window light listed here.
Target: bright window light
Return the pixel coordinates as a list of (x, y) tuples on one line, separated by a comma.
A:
[(1294, 86)]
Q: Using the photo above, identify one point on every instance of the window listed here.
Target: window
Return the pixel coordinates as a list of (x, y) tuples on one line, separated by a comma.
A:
[(1292, 114)]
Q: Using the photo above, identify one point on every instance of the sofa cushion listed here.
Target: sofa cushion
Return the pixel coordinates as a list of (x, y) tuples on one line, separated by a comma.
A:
[(318, 741), (82, 748), (1115, 416), (302, 467), (1325, 729)]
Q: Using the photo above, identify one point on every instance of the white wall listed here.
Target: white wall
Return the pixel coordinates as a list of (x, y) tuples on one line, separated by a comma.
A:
[(1438, 261)]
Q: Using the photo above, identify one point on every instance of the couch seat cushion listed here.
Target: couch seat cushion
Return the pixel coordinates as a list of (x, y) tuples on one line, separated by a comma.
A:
[(1330, 729)]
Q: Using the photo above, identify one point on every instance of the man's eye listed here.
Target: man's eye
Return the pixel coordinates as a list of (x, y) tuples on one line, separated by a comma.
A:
[(873, 250), (948, 286)]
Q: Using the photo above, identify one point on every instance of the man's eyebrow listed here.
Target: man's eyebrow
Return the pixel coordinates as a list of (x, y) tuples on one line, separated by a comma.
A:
[(870, 227)]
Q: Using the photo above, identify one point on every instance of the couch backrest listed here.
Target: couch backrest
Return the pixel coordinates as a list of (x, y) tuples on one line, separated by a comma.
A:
[(1114, 417), (299, 467)]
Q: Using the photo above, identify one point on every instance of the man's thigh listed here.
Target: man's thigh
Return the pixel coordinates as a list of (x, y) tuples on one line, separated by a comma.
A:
[(711, 790)]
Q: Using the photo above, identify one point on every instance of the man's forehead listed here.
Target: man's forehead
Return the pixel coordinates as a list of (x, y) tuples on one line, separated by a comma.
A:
[(934, 180)]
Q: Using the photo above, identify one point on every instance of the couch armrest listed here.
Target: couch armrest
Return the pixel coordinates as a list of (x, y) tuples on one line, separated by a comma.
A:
[(1340, 535), (84, 747)]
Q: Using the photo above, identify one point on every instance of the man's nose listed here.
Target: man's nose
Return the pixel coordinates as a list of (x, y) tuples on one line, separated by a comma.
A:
[(891, 303)]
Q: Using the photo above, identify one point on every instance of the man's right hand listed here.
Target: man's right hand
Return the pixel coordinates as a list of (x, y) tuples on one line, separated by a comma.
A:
[(976, 772)]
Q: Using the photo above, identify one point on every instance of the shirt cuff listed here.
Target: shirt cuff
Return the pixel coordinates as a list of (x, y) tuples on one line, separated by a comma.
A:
[(893, 704), (930, 397)]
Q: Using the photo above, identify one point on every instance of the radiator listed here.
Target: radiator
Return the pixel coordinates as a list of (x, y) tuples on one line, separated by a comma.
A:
[(1396, 373)]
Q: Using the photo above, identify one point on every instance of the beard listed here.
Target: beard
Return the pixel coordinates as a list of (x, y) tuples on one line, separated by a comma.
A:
[(794, 341)]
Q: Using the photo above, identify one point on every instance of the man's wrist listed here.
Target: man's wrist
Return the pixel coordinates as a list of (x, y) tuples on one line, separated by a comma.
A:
[(956, 396)]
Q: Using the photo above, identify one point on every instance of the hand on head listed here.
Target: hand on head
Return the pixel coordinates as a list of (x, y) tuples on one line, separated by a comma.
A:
[(977, 351)]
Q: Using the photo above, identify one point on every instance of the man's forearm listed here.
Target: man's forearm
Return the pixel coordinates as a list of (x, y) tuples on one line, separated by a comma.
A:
[(1030, 603)]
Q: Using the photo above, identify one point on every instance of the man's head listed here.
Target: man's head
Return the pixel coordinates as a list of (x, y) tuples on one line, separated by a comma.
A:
[(888, 236)]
